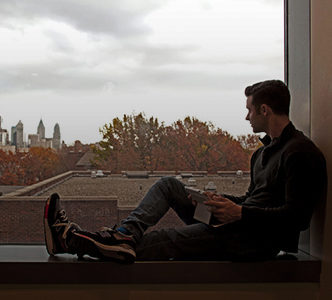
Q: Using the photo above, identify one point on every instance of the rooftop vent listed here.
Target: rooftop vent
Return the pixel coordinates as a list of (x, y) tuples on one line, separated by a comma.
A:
[(186, 175), (210, 187), (137, 174), (239, 173), (192, 182)]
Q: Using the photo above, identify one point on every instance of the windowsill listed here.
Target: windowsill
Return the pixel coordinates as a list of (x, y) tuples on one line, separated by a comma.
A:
[(31, 265)]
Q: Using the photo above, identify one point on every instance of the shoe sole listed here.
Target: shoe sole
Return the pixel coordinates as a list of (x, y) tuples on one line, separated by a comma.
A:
[(47, 230), (116, 252)]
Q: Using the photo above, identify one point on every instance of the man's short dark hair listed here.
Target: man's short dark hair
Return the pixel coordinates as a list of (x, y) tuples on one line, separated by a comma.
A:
[(273, 93)]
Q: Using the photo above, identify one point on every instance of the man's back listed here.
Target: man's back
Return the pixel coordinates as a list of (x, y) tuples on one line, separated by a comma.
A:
[(288, 179)]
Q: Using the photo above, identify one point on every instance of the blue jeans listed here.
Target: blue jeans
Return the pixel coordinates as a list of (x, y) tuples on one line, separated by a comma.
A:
[(193, 241)]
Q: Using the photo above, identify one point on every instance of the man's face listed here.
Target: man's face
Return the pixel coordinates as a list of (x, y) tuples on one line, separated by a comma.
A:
[(256, 119)]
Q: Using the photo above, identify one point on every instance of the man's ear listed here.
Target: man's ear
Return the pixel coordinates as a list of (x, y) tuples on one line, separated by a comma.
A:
[(265, 110)]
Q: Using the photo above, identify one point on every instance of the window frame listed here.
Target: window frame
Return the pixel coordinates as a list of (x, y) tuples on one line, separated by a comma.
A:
[(291, 67)]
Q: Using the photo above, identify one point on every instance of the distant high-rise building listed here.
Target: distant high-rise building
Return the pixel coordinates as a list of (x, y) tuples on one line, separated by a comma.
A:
[(48, 143), (19, 135), (13, 136), (41, 130), (56, 137), (4, 138)]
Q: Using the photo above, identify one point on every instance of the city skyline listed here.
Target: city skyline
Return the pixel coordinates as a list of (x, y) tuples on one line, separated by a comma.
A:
[(29, 139)]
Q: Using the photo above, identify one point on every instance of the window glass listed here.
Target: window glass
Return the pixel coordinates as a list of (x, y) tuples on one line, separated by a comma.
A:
[(70, 67)]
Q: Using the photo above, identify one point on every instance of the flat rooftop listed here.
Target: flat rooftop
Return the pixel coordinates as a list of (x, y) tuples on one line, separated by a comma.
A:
[(6, 189), (130, 191)]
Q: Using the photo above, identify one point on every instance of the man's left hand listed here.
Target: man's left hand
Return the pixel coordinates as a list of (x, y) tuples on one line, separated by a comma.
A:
[(223, 209)]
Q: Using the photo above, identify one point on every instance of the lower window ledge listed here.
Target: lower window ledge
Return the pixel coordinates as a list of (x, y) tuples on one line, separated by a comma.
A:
[(30, 264)]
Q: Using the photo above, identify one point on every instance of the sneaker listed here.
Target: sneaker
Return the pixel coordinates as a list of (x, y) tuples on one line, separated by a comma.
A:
[(56, 226), (62, 236), (108, 244)]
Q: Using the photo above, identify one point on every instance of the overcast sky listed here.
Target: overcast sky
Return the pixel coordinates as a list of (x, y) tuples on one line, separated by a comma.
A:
[(80, 63)]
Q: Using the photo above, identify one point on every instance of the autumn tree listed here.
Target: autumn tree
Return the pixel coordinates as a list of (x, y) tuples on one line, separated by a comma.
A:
[(138, 143), (39, 164), (11, 170), (130, 143), (200, 145), (29, 167)]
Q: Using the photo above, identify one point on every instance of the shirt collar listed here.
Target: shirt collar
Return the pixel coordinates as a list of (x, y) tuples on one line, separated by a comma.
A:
[(285, 135)]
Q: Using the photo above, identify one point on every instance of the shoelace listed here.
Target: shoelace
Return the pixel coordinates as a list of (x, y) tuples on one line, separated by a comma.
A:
[(62, 215), (67, 226), (105, 228)]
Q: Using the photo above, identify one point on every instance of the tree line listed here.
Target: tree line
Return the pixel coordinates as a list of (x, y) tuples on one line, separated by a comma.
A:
[(136, 142)]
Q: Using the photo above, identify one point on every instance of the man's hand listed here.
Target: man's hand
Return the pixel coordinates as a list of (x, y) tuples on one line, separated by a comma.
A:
[(225, 210)]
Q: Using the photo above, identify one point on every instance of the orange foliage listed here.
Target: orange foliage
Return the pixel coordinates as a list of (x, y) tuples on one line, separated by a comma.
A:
[(138, 143), (28, 168), (10, 168)]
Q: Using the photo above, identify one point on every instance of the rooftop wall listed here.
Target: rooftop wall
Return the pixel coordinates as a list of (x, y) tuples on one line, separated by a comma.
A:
[(90, 202)]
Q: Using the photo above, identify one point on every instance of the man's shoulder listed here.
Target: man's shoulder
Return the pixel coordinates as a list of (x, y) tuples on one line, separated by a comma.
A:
[(299, 144), (299, 139)]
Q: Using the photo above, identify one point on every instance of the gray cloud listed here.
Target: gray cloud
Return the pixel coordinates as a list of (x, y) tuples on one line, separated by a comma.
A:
[(186, 79), (149, 66), (113, 17), (125, 63), (61, 42), (165, 55), (76, 76), (55, 75), (77, 73)]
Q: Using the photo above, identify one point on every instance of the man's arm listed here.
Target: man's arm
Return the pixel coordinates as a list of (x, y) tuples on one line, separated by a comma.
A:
[(236, 199)]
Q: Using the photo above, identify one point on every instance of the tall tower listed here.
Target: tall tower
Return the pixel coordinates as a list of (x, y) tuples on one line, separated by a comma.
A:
[(56, 137), (3, 135), (13, 136), (19, 135), (41, 130)]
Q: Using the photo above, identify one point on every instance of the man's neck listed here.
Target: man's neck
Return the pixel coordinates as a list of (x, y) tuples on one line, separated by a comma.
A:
[(276, 125)]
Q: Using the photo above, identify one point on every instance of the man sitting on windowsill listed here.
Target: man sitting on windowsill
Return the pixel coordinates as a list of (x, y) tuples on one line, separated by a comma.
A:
[(288, 178)]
